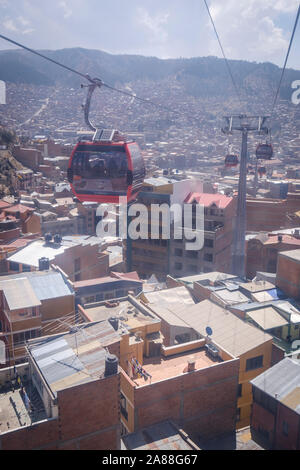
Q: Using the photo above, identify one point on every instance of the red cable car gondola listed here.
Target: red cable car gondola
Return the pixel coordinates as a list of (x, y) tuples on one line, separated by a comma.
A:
[(106, 168), (264, 151), (231, 161)]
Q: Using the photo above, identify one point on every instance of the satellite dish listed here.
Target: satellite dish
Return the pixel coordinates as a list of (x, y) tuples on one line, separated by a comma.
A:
[(2, 352), (208, 331)]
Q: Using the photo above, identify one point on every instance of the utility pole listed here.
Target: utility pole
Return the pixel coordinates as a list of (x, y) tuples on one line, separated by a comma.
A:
[(243, 124)]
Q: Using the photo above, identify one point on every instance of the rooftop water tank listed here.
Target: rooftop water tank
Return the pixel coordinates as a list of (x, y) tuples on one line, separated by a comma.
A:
[(111, 365)]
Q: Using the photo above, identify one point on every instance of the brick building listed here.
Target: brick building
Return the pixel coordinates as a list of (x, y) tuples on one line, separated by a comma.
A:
[(70, 399), (288, 273), (252, 346), (31, 305), (219, 216), (29, 157), (169, 256), (197, 392), (275, 418), (79, 257), (115, 286), (262, 251), (265, 215), (202, 401)]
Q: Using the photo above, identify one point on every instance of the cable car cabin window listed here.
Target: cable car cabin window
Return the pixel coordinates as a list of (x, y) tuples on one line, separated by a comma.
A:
[(138, 166), (102, 171)]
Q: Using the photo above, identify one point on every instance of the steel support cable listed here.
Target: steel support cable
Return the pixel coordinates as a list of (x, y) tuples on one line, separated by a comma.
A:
[(285, 62), (98, 82), (224, 56)]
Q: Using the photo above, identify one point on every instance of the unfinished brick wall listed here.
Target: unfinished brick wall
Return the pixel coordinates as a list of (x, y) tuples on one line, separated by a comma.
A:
[(288, 276), (89, 419), (203, 402)]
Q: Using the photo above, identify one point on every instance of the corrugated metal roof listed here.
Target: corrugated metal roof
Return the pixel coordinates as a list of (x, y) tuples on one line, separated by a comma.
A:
[(46, 284), (73, 358), (50, 286), (31, 253), (19, 293), (282, 382)]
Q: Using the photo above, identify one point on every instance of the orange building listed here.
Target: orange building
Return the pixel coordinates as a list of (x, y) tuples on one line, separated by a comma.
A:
[(31, 305)]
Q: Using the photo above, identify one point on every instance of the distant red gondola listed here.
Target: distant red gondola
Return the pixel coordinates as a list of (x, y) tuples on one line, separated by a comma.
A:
[(231, 161), (264, 151)]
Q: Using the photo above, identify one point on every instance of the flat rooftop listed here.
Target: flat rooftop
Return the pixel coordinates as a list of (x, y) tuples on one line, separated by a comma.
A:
[(128, 314), (161, 368), (13, 412), (160, 436)]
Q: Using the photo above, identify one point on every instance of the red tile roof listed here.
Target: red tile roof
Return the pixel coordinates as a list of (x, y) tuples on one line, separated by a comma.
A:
[(220, 200)]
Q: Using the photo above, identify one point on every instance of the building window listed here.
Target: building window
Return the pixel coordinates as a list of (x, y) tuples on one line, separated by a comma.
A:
[(254, 363), (208, 243), (240, 390), (192, 268), (192, 254), (178, 252), (25, 336), (238, 414), (208, 257), (120, 293), (77, 265), (178, 266), (25, 268), (285, 428), (184, 338), (124, 409), (109, 295), (13, 266)]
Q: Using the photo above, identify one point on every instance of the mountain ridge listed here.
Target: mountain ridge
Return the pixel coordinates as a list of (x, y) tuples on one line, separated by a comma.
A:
[(200, 75)]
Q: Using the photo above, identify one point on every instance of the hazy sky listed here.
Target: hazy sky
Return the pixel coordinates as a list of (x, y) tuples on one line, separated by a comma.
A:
[(255, 30)]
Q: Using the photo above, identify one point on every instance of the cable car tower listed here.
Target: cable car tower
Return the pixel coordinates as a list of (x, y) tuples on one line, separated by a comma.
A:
[(243, 124)]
